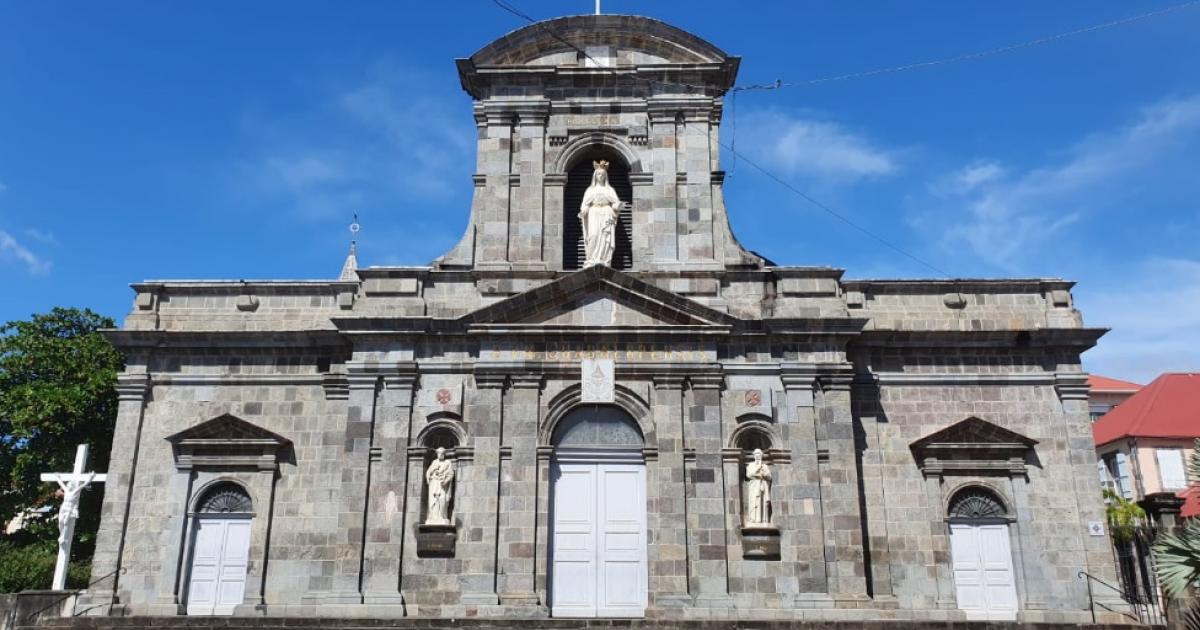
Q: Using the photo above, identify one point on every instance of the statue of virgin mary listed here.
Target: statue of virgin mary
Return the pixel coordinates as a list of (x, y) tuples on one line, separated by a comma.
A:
[(598, 213)]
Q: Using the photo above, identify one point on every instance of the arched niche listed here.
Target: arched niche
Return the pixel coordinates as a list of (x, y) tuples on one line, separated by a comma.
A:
[(579, 176), (755, 431), (444, 430)]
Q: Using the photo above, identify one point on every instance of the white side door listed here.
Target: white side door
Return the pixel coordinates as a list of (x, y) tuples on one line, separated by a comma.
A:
[(220, 555), (573, 589), (621, 591), (983, 572), (599, 540)]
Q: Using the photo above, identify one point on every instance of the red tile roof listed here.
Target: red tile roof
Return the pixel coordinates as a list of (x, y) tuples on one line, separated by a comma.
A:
[(1191, 502), (1169, 407), (1106, 384)]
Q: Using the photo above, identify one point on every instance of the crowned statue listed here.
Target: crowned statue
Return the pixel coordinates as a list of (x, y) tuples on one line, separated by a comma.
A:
[(758, 491), (438, 476), (598, 214)]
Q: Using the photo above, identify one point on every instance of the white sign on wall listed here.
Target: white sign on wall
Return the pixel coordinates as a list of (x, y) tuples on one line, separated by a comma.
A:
[(596, 380), (1095, 528)]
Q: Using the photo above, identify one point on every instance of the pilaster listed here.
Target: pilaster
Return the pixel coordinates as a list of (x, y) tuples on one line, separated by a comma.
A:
[(518, 491), (103, 594), (707, 536), (388, 497), (840, 506), (667, 519)]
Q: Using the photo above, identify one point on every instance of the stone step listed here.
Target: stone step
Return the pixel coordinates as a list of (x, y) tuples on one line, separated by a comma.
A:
[(294, 623)]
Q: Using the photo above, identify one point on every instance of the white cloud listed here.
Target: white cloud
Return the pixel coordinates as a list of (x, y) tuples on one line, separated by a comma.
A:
[(812, 148), (41, 236), (12, 250), (1004, 215), (1154, 313), (382, 141)]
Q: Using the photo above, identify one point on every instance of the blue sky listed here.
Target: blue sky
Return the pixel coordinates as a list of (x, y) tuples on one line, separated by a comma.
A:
[(225, 139)]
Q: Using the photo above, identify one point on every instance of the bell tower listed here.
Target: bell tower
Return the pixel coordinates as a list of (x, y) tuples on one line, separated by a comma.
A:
[(552, 97)]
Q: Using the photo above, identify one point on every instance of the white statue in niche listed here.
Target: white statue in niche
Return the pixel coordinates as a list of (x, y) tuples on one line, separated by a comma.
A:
[(598, 214), (758, 491), (438, 477)]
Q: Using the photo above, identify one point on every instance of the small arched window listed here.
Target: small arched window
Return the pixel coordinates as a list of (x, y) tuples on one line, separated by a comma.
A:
[(975, 503), (597, 425), (225, 498)]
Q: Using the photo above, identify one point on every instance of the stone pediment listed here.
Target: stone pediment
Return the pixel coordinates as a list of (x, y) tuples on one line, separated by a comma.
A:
[(973, 446), (227, 442), (599, 296)]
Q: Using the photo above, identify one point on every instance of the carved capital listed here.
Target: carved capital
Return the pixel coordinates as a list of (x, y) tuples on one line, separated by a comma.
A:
[(707, 381), (1071, 386), (668, 382), (133, 387)]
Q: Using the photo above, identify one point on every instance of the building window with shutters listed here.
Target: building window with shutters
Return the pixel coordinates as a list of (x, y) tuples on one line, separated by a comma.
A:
[(1171, 469), (1117, 465)]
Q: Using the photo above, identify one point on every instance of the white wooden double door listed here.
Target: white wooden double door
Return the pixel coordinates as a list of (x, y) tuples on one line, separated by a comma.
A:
[(217, 576), (598, 539), (983, 571)]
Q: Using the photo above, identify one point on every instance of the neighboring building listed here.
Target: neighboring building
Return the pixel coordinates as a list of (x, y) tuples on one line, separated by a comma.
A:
[(1105, 393), (1145, 443), (281, 446)]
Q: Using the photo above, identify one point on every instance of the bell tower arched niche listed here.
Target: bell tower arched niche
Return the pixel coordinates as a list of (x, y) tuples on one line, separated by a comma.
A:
[(575, 163)]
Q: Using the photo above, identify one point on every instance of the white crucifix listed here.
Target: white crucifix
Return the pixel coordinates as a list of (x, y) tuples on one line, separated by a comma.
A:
[(72, 484)]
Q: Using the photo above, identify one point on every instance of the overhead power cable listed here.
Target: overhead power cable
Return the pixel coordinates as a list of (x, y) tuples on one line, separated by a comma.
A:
[(778, 84)]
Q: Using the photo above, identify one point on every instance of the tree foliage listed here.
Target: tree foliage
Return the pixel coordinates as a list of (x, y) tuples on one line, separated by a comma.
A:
[(57, 390), (1177, 556), (1124, 515)]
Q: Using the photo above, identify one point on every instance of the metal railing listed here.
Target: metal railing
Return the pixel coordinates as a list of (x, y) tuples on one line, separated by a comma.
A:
[(1146, 607), (69, 594)]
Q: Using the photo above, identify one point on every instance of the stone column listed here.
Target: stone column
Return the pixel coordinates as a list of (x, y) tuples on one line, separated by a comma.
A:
[(526, 211), (799, 430), (939, 534), (173, 552), (491, 209), (707, 535), (667, 517), (103, 595), (388, 496), (477, 501), (352, 506), (1097, 551), (518, 493), (867, 410), (844, 559), (662, 226), (1033, 579), (555, 185)]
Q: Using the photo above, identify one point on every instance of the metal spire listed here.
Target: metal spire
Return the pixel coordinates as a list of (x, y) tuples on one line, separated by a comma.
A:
[(597, 7), (351, 265)]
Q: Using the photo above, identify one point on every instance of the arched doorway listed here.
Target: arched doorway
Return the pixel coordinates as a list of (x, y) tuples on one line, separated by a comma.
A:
[(220, 550), (579, 177), (984, 581), (598, 515)]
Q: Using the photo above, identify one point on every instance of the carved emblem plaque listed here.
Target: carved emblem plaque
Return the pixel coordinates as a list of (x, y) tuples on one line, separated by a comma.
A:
[(597, 380), (753, 397), (444, 396)]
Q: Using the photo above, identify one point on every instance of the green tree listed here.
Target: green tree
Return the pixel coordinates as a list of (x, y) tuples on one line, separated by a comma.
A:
[(57, 390), (1177, 554), (1123, 515)]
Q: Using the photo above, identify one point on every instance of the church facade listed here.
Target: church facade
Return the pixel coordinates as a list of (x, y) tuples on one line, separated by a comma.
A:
[(599, 403)]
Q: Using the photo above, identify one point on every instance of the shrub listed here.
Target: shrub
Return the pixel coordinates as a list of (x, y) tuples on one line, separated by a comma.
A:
[(31, 567)]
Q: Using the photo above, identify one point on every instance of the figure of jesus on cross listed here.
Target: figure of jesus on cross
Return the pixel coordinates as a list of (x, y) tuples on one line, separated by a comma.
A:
[(72, 485)]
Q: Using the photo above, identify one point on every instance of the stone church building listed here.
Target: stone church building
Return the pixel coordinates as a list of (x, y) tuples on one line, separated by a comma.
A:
[(686, 430)]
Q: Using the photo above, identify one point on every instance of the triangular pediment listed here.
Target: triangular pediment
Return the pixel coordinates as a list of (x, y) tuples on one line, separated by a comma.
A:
[(229, 429), (974, 432), (599, 296)]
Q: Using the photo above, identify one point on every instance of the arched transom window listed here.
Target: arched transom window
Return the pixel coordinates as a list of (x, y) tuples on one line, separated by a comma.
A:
[(597, 426), (225, 498), (975, 503)]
